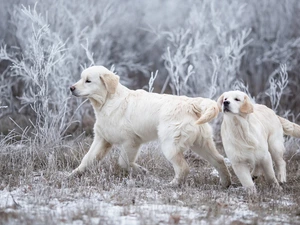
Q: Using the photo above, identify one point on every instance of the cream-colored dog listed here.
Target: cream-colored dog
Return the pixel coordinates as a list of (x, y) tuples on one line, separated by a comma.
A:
[(130, 118), (252, 135)]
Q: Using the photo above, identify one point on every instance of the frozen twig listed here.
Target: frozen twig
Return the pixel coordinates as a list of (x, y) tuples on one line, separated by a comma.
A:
[(278, 83), (151, 80)]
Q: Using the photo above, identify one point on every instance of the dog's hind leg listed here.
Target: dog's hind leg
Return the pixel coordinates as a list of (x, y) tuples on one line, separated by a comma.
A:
[(206, 148), (128, 156), (174, 154), (98, 150), (269, 173), (276, 148)]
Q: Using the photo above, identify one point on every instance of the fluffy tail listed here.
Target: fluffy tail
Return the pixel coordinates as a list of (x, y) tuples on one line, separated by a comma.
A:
[(290, 128), (207, 110)]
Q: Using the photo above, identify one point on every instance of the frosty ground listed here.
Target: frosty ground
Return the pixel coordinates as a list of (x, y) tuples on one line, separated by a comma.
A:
[(197, 48), (35, 190)]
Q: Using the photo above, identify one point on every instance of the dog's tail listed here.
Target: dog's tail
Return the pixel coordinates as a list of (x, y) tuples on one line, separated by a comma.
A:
[(290, 128), (207, 110)]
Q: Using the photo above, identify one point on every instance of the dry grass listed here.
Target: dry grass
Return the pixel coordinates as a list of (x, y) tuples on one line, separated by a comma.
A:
[(196, 49), (34, 190)]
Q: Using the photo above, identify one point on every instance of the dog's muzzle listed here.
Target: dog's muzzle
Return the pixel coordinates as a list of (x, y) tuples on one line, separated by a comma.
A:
[(226, 106), (73, 90)]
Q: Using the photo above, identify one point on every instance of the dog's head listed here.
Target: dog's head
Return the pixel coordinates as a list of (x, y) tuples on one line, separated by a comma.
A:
[(235, 102), (96, 82)]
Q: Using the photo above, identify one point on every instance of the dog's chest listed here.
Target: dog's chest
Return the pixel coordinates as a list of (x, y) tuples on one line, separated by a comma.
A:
[(109, 126), (243, 140)]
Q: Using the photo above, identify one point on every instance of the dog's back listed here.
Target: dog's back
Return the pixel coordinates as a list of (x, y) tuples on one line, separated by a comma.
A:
[(142, 115), (269, 120)]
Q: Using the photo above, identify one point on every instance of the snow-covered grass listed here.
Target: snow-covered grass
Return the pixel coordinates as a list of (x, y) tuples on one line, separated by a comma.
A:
[(34, 189), (196, 48)]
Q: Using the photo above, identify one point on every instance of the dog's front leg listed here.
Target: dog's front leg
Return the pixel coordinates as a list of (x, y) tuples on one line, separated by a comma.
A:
[(98, 150), (128, 155), (242, 171)]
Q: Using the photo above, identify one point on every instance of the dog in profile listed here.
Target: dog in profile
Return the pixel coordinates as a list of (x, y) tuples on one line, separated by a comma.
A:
[(129, 118), (252, 136)]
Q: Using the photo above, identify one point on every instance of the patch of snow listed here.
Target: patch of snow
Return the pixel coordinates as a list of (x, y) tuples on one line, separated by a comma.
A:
[(227, 162), (214, 173), (93, 207)]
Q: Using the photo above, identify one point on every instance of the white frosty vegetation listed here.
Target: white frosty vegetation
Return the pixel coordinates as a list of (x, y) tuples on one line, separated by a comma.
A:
[(194, 48)]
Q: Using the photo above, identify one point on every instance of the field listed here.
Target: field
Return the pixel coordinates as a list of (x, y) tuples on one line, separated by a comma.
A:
[(35, 190), (193, 48)]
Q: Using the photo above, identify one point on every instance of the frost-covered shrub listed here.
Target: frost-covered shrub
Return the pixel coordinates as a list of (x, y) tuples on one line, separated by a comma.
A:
[(199, 48), (203, 55), (41, 68), (54, 42), (229, 40)]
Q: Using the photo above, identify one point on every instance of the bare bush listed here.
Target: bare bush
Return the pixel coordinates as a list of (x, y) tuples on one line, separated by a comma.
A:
[(196, 47), (200, 48), (278, 82), (204, 58), (44, 91)]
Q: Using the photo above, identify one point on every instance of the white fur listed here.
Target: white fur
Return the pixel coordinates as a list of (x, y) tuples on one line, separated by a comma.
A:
[(252, 138), (130, 118)]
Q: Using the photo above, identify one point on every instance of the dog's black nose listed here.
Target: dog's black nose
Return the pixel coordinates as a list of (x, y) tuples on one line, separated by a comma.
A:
[(72, 88), (226, 103)]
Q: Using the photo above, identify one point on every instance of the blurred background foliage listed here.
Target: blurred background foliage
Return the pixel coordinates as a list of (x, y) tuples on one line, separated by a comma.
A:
[(196, 48)]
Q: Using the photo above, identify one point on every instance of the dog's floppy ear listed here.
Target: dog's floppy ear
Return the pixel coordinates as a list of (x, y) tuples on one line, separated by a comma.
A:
[(220, 102), (110, 81), (247, 106)]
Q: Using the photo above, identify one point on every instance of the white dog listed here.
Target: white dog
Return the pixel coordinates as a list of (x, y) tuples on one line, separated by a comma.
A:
[(130, 118), (252, 136)]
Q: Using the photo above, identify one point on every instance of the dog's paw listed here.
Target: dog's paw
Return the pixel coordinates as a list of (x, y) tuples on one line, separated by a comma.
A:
[(139, 169), (276, 187), (75, 173), (226, 183), (251, 191), (248, 191), (174, 183), (234, 185), (282, 184), (143, 170)]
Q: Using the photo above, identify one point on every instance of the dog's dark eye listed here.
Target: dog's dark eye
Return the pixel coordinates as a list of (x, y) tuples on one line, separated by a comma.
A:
[(87, 81), (236, 99), (225, 99)]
